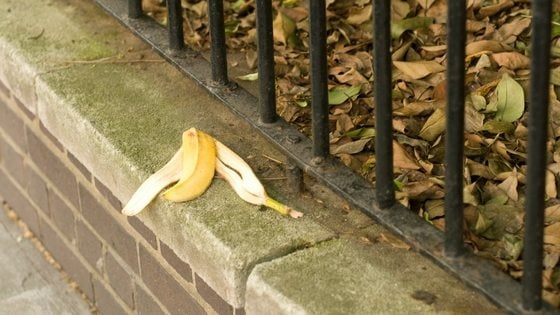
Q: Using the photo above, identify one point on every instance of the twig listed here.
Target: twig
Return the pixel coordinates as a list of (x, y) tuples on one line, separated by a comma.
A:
[(273, 159), (109, 61), (273, 178)]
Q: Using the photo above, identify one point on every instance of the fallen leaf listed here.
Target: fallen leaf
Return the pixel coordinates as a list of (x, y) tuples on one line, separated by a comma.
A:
[(401, 158), (418, 69), (495, 126), (351, 147), (511, 60), (418, 108), (552, 234), (249, 77), (485, 45), (410, 24), (360, 16), (552, 214), (511, 100), (434, 126), (474, 120), (550, 185), (509, 186), (494, 9), (339, 96), (395, 242), (361, 133)]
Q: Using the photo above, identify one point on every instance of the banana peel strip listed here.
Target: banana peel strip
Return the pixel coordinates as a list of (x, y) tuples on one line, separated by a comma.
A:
[(168, 174)]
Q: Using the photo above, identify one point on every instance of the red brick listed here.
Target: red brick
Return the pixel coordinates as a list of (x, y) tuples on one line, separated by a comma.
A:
[(12, 125), (177, 263), (105, 192), (165, 287), (108, 228), (143, 230), (210, 296), (37, 190), (19, 202), (13, 162), (119, 279), (79, 166), (50, 136), (24, 109), (89, 245), (145, 304), (53, 168), (105, 301), (66, 258), (4, 89), (62, 215)]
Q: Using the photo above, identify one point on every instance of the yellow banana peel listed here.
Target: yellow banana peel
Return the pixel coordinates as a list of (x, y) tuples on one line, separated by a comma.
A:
[(192, 169)]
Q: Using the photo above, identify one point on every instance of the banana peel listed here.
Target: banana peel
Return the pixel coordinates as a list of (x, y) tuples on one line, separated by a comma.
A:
[(199, 165), (192, 169)]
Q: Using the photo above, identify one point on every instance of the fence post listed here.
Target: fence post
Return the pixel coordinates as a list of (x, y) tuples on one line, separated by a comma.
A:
[(385, 191), (536, 155)]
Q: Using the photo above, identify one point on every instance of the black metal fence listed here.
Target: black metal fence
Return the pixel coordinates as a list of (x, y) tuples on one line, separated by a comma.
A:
[(312, 155)]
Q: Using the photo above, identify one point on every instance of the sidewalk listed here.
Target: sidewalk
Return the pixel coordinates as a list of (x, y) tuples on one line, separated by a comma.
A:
[(28, 283)]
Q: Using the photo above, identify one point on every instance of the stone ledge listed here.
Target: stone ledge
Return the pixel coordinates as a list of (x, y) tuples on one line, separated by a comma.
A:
[(356, 278), (123, 121)]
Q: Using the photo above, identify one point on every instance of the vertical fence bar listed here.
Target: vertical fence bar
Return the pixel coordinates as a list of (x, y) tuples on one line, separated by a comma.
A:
[(385, 192), (218, 56), (319, 88), (175, 25), (134, 9), (454, 137), (265, 47), (536, 154)]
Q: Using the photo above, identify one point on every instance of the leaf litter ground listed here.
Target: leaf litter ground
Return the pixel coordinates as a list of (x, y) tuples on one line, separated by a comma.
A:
[(498, 37)]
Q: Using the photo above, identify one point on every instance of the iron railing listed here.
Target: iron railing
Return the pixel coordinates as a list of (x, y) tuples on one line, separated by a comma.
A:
[(312, 155)]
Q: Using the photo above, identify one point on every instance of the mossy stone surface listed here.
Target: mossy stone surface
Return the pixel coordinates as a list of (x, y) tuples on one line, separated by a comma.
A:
[(123, 121), (358, 277)]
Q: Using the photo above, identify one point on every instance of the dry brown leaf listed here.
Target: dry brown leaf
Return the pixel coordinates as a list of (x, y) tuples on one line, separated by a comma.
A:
[(434, 126), (550, 185), (474, 120), (511, 60), (485, 45), (509, 186), (360, 16), (418, 108), (508, 32), (418, 69), (401, 158), (552, 214), (394, 241), (351, 147), (552, 234), (495, 8)]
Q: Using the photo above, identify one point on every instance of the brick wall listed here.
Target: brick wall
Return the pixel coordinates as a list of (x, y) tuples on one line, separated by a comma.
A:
[(118, 262)]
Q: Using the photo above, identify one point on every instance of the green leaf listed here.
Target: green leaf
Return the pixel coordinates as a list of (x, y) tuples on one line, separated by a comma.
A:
[(339, 96), (231, 27), (249, 77), (496, 126), (414, 23), (511, 100), (555, 25), (361, 133), (555, 76)]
